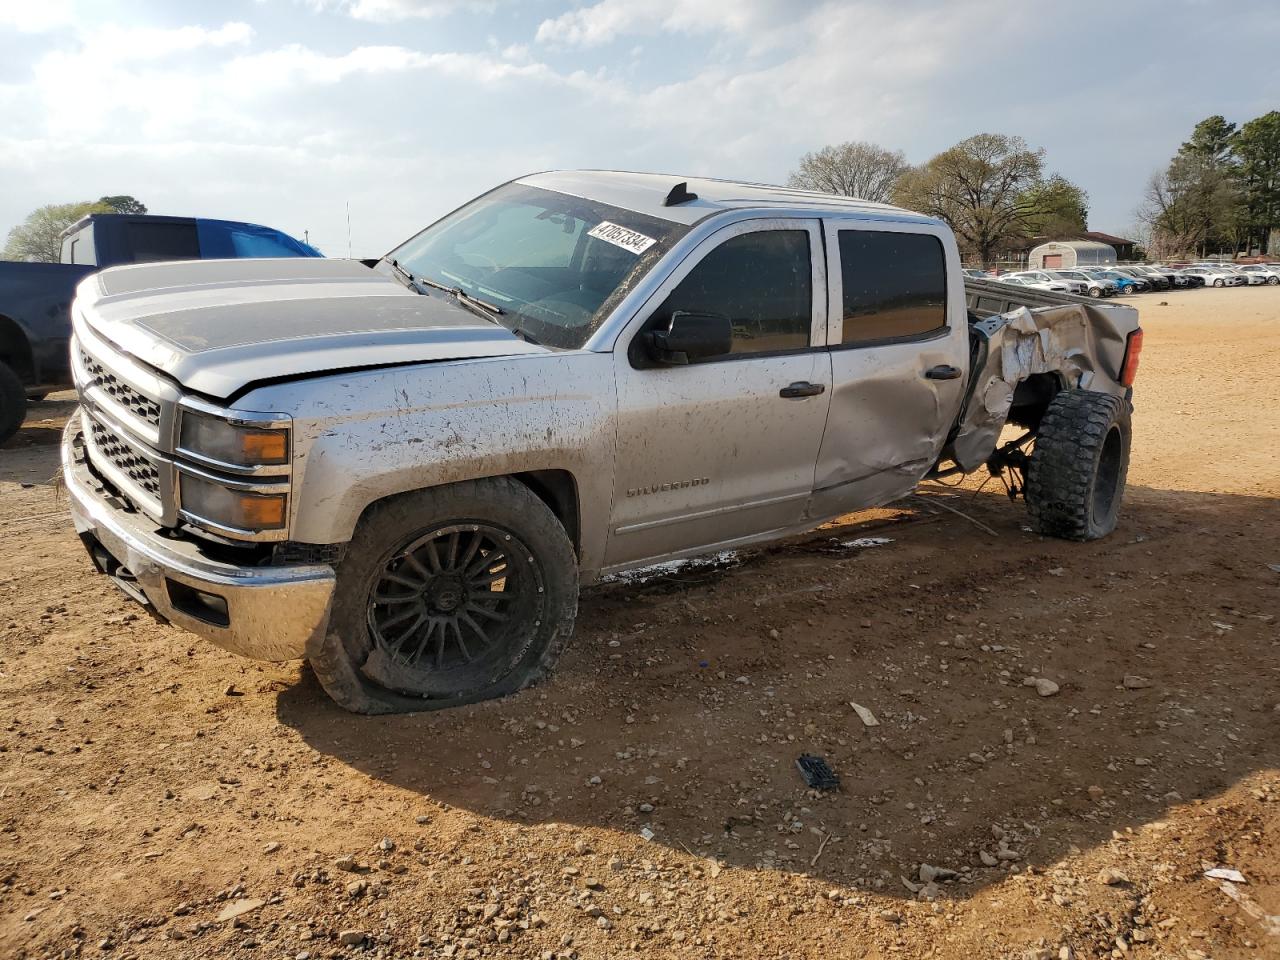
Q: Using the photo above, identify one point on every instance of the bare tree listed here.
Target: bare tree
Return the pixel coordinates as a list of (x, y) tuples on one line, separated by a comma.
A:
[(982, 188), (853, 169)]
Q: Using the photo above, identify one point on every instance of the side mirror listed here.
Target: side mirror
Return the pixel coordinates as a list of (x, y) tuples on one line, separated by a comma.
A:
[(690, 337)]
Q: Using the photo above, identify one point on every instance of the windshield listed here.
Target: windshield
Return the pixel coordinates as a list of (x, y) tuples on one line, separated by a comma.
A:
[(555, 265)]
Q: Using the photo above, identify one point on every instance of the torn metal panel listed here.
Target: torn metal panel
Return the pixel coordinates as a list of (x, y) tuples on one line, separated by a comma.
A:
[(1082, 344)]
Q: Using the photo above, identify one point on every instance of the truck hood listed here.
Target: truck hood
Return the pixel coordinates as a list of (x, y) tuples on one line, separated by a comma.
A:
[(217, 326)]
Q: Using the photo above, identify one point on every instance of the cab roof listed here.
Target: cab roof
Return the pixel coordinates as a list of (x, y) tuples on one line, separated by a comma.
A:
[(647, 192)]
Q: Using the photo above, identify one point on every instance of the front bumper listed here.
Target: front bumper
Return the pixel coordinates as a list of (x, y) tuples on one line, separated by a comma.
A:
[(266, 612)]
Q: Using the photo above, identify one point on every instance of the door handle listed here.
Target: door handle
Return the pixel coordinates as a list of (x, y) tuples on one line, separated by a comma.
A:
[(943, 371), (800, 389)]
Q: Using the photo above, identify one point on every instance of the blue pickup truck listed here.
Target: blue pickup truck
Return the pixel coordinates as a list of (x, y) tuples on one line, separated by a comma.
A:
[(35, 298)]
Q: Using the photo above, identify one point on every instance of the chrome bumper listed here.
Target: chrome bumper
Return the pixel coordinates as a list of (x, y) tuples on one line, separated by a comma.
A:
[(267, 613)]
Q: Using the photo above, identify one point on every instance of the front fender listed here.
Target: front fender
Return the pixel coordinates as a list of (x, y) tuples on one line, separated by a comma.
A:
[(363, 436)]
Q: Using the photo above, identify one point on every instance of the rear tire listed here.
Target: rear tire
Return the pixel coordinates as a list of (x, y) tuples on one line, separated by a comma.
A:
[(1095, 292), (1076, 475), (13, 403), (485, 577), (1219, 283)]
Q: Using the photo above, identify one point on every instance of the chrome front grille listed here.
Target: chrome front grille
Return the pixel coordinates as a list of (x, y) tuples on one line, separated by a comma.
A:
[(139, 470), (144, 408)]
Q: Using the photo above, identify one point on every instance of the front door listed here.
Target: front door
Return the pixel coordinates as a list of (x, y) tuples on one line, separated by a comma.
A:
[(723, 450)]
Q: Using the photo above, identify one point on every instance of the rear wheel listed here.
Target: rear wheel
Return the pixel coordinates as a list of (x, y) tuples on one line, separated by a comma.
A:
[(1273, 280), (13, 403), (449, 596), (1095, 292), (1219, 283), (1076, 474)]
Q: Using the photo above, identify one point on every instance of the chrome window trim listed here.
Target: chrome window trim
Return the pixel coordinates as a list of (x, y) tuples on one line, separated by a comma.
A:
[(711, 240)]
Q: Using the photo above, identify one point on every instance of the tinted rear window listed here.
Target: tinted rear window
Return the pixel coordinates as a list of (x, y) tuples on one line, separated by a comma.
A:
[(895, 285), (162, 241)]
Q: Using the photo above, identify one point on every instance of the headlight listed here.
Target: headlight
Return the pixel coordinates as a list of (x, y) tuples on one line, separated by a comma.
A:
[(219, 440), (238, 509)]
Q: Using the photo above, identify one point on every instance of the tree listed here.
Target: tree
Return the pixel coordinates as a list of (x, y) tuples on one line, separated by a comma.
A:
[(39, 237), (1058, 208), (123, 203), (1257, 147), (1194, 204), (854, 169), (1212, 142), (979, 187)]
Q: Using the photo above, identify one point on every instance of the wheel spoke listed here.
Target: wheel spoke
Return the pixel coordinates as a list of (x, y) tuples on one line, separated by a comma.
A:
[(388, 598), (486, 612), (470, 554), (423, 638), (479, 630), (414, 562), (440, 647), (462, 644), (398, 643), (451, 557), (497, 596), (398, 618), (485, 563), (492, 578), (432, 557), (401, 579)]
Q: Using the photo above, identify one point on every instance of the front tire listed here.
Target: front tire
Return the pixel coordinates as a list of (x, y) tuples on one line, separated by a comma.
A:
[(448, 596), (13, 403), (1219, 283), (1077, 470)]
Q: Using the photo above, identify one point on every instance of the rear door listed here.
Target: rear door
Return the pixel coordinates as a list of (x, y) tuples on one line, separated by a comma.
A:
[(723, 450), (899, 352)]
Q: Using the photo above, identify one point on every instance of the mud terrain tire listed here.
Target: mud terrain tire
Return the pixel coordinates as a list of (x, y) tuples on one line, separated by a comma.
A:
[(425, 536), (1076, 475), (13, 403)]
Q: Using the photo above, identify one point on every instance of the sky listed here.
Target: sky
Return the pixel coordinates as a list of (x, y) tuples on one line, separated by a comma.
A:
[(292, 112)]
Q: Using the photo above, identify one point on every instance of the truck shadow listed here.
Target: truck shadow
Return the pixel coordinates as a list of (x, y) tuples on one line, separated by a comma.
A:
[(31, 454), (685, 702)]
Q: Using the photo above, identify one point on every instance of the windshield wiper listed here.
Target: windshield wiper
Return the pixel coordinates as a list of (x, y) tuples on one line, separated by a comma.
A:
[(417, 283), (462, 296), (404, 276)]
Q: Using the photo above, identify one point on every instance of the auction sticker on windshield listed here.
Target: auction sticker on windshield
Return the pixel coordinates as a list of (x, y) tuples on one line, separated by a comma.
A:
[(621, 237)]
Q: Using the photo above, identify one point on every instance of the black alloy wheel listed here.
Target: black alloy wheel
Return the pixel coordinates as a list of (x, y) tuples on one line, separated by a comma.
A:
[(453, 603)]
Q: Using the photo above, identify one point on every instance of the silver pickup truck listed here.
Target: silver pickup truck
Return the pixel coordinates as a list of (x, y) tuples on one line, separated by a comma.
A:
[(403, 470)]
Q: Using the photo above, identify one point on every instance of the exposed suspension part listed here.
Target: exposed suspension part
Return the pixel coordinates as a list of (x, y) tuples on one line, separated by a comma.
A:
[(1012, 456)]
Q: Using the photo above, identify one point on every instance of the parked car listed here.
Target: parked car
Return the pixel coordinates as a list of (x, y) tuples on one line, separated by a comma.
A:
[(976, 273), (1143, 282), (1169, 277), (1218, 277), (1124, 283), (1056, 286), (1079, 288), (1093, 286), (34, 324), (404, 473), (1251, 278), (1270, 274), (1154, 280)]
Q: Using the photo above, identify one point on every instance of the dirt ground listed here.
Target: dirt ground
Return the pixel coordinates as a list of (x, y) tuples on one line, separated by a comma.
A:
[(153, 787)]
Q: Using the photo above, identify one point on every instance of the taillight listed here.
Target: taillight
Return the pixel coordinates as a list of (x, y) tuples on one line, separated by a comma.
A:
[(1132, 351)]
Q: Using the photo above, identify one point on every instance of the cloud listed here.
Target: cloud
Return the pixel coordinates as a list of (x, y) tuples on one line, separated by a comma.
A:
[(607, 20), (389, 11), (38, 17)]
